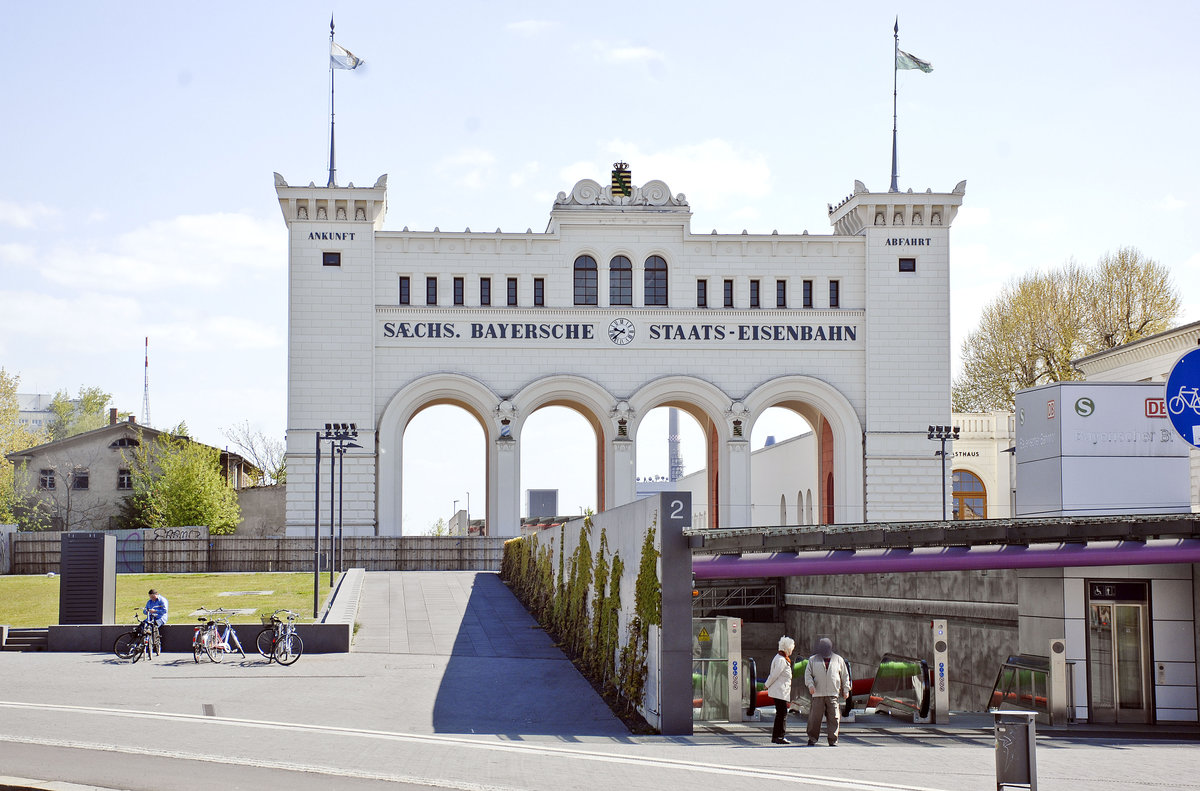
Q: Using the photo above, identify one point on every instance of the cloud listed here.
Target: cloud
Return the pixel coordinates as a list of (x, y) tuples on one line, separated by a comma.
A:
[(622, 55), (470, 168), (719, 175), (531, 27), (24, 215), (520, 177), (82, 321), (1171, 203), (972, 217), (192, 251)]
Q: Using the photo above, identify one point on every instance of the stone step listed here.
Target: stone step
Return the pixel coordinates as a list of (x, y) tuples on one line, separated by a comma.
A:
[(25, 640)]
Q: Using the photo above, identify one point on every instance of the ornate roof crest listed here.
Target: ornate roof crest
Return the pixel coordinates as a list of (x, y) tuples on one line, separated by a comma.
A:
[(589, 193)]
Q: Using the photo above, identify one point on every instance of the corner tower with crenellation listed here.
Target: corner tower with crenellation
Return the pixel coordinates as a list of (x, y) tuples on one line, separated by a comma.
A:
[(331, 301), (907, 365)]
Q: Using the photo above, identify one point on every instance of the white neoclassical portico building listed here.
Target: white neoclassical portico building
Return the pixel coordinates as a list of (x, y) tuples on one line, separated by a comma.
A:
[(616, 309)]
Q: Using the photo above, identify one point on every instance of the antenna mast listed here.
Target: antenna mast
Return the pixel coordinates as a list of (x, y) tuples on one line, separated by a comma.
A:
[(146, 387)]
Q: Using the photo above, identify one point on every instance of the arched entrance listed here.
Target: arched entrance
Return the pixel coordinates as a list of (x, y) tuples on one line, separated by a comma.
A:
[(709, 407), (441, 389), (444, 472), (586, 398), (839, 441)]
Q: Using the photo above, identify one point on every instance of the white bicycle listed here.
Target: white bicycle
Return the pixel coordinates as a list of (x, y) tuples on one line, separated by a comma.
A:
[(1186, 398)]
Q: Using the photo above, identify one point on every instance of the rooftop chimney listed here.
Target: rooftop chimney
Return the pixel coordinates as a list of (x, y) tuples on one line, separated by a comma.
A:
[(132, 418), (112, 416)]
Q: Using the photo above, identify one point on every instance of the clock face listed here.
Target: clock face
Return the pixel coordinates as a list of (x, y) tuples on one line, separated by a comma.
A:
[(620, 331)]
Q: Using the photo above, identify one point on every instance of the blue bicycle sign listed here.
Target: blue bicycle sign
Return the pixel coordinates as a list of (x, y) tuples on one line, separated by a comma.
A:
[(1183, 397)]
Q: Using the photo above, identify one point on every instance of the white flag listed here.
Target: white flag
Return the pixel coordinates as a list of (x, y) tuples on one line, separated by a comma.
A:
[(342, 58)]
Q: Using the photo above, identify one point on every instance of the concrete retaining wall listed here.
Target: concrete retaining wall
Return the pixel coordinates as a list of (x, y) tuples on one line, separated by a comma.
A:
[(867, 615), (319, 638)]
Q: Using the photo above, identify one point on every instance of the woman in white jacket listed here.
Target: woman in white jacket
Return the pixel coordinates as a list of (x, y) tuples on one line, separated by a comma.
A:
[(779, 687)]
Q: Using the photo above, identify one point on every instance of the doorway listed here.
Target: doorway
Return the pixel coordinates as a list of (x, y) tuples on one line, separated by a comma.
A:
[(1119, 688)]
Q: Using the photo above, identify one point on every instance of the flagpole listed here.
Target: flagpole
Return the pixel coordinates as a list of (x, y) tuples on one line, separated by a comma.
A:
[(332, 169), (895, 69)]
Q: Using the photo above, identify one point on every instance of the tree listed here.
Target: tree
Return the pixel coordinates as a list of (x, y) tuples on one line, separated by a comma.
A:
[(85, 412), (13, 437), (177, 483), (438, 528), (265, 453), (1033, 330), (1131, 297)]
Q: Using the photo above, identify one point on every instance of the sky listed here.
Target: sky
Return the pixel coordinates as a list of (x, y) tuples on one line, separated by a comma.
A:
[(137, 197)]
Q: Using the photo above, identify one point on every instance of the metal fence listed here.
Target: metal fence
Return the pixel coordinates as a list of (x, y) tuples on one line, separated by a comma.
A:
[(38, 553)]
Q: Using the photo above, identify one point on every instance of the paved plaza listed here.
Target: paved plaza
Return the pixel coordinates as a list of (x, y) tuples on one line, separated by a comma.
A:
[(452, 685)]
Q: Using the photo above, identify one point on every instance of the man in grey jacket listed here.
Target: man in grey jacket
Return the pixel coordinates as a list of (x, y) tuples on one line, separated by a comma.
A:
[(828, 682)]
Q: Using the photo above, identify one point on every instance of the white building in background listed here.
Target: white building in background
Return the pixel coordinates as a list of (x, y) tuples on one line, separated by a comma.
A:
[(616, 309), (33, 410)]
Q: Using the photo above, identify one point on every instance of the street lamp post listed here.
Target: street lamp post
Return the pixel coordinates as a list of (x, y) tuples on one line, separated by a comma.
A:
[(943, 434), (338, 435)]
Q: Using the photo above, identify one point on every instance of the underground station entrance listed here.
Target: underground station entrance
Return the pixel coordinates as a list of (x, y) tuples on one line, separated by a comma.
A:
[(1105, 617)]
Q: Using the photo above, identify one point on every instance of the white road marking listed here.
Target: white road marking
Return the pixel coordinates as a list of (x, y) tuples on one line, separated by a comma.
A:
[(421, 738)]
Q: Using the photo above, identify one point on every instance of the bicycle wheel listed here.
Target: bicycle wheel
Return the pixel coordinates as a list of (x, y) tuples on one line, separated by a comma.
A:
[(139, 648), (197, 646), (212, 646), (124, 645), (266, 643), (289, 649)]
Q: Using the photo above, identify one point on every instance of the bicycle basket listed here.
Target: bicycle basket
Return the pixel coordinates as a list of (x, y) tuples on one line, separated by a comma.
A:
[(268, 620)]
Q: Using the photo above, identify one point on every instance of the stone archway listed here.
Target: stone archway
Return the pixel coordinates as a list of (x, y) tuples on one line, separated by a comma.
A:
[(819, 403), (711, 407), (582, 395), (452, 389)]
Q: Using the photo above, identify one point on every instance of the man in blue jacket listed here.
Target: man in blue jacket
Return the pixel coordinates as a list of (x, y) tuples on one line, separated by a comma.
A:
[(156, 614)]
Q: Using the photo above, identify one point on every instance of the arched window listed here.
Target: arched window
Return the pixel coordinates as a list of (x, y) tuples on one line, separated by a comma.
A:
[(783, 509), (620, 281), (585, 280), (656, 281), (808, 512), (970, 496), (800, 518)]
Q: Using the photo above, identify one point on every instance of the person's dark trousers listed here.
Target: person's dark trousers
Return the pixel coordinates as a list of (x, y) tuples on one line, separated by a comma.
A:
[(780, 728), (824, 707)]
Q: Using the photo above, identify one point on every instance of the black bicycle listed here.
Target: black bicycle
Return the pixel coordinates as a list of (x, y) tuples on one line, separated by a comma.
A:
[(141, 642), (278, 641)]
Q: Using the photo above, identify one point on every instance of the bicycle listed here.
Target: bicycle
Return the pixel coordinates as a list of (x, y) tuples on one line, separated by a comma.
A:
[(202, 637), (278, 640), (138, 643), (1186, 398), (215, 637)]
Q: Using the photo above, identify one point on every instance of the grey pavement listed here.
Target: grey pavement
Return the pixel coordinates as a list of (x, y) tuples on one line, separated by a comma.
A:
[(452, 685)]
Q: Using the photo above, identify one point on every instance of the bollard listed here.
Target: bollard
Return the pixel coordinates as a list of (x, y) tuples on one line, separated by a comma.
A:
[(1016, 759)]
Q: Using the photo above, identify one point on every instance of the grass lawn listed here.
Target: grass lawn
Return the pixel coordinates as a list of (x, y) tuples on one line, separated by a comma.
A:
[(33, 600)]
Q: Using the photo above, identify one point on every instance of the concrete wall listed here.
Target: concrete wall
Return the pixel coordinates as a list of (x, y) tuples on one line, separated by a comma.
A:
[(667, 700), (867, 615), (319, 638), (262, 511)]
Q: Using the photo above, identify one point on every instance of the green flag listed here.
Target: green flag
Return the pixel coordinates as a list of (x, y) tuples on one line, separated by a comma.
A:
[(906, 61)]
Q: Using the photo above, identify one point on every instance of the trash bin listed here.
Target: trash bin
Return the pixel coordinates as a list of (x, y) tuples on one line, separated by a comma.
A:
[(1016, 760)]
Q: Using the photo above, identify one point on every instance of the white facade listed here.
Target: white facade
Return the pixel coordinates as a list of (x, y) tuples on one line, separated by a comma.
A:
[(866, 361), (33, 410), (784, 485)]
